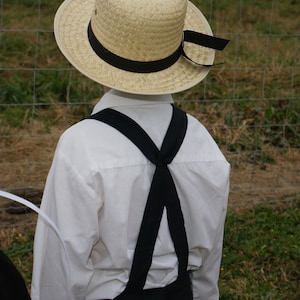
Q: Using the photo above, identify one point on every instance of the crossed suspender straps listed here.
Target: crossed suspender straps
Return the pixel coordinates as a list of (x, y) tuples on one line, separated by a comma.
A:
[(162, 193)]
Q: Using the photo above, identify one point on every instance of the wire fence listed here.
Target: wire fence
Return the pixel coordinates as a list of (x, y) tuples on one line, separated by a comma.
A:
[(250, 103)]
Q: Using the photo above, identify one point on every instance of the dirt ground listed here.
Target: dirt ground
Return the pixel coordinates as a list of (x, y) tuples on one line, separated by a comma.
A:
[(25, 161)]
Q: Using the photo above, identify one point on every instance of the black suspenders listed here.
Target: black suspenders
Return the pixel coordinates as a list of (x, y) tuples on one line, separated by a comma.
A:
[(162, 195)]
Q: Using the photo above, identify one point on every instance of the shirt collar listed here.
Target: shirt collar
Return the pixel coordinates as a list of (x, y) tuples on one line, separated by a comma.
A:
[(115, 98)]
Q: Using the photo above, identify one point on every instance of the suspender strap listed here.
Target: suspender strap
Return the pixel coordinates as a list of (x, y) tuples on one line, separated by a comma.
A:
[(162, 193)]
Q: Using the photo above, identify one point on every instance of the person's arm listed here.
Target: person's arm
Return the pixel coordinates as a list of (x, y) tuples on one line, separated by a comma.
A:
[(205, 279), (71, 203)]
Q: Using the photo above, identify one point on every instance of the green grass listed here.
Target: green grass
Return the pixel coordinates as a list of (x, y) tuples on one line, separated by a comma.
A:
[(261, 257)]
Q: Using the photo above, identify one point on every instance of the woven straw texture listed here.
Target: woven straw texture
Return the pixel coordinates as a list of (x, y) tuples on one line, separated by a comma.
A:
[(149, 32)]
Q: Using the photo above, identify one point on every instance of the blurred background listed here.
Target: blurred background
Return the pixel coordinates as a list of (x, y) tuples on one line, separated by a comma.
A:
[(250, 103)]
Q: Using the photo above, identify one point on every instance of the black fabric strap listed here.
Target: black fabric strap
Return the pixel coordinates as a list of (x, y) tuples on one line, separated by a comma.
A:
[(162, 194), (157, 65)]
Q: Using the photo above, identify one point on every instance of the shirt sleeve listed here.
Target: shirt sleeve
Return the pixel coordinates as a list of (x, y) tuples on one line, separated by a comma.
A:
[(205, 279), (63, 270)]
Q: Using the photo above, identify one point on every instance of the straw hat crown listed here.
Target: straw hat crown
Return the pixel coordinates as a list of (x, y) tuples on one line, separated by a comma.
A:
[(139, 30)]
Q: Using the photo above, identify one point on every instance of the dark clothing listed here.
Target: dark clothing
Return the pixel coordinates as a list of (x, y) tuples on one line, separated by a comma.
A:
[(12, 284)]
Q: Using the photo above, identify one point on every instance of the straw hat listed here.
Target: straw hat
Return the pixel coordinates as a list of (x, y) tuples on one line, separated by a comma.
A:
[(135, 46)]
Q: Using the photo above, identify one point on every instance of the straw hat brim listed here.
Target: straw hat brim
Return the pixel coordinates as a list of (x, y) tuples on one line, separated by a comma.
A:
[(70, 28)]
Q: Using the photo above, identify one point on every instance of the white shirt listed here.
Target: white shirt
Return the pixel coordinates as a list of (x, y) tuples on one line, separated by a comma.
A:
[(96, 192)]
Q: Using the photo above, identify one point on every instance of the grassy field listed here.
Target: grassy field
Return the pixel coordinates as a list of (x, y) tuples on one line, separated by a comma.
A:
[(257, 88), (261, 258), (250, 104)]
